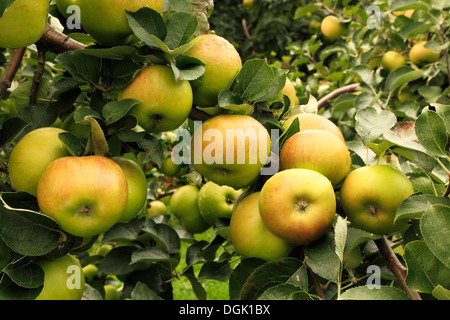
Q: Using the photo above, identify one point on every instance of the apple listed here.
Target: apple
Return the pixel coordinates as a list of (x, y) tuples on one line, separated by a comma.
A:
[(156, 208), (247, 4), (23, 23), (314, 121), (104, 249), (111, 292), (90, 272), (370, 197), (165, 103), (392, 60), (421, 56), (216, 201), (290, 91), (85, 195), (184, 205), (297, 205), (31, 156), (317, 150), (250, 236), (137, 187), (169, 168), (106, 20), (62, 6), (63, 278), (332, 27), (230, 149), (222, 64)]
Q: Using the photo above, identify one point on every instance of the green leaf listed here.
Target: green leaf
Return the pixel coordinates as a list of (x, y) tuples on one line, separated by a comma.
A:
[(284, 291), (118, 261), (83, 68), (146, 24), (431, 132), (5, 4), (25, 274), (340, 237), (294, 127), (321, 257), (99, 144), (400, 76), (180, 28), (416, 205), (240, 274), (364, 72), (165, 236), (187, 68), (151, 254), (115, 110), (5, 254), (152, 146), (382, 293), (114, 53), (10, 129), (400, 5), (142, 292), (371, 124), (435, 228), (219, 271), (72, 143), (441, 293)]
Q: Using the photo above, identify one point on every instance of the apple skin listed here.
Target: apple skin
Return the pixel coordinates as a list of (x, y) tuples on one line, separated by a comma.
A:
[(317, 150), (23, 23), (250, 236), (392, 60), (332, 28), (106, 20), (31, 156), (137, 188), (62, 6), (90, 271), (235, 175), (314, 121), (169, 168), (184, 205), (56, 277), (421, 56), (85, 195), (222, 64), (297, 205), (216, 201), (371, 195), (165, 103), (111, 292), (156, 208)]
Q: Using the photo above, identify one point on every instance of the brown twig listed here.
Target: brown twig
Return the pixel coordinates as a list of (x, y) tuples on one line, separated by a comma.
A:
[(37, 74), (245, 28), (395, 266), (317, 284), (11, 70), (336, 93), (55, 41)]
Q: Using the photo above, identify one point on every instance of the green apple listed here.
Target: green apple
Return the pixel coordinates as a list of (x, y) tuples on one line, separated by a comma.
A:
[(250, 236), (298, 205), (137, 187), (184, 205), (230, 149), (111, 292), (332, 28), (31, 156), (104, 249), (392, 60), (421, 56), (169, 168), (106, 20), (314, 121), (370, 197), (90, 272), (85, 195), (165, 103), (23, 23), (216, 201), (156, 208), (62, 6), (63, 278), (222, 64), (317, 150)]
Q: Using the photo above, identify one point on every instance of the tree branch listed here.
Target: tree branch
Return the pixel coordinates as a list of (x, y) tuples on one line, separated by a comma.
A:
[(11, 70), (37, 74), (336, 93), (55, 41)]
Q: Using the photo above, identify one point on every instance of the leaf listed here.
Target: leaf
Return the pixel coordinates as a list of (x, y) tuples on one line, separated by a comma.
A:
[(340, 237), (142, 292), (72, 143), (114, 53), (25, 274), (187, 68), (180, 28), (416, 205), (321, 257), (5, 4), (219, 271), (294, 128), (165, 236), (284, 291), (400, 5), (371, 124), (441, 293), (364, 72), (146, 24), (240, 274), (400, 76), (99, 144), (152, 254), (431, 132), (115, 110), (435, 228), (382, 293), (83, 68), (5, 254), (11, 128)]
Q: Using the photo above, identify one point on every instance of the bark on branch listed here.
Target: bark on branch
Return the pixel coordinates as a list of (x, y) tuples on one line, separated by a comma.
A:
[(57, 42), (336, 93), (11, 70)]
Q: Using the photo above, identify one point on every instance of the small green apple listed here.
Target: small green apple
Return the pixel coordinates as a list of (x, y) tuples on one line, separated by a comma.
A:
[(156, 208), (392, 60), (85, 195), (216, 201), (137, 187), (370, 197), (297, 205), (332, 27), (62, 6), (23, 23), (184, 205), (169, 168), (90, 271), (421, 56), (31, 156), (165, 103), (63, 278), (111, 292), (250, 236), (104, 249)]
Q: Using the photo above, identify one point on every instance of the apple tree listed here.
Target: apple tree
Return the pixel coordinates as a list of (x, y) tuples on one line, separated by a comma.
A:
[(394, 113)]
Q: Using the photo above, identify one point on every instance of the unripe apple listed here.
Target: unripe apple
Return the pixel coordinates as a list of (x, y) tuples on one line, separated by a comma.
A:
[(62, 6), (31, 156), (165, 103), (106, 20), (111, 292), (156, 208), (392, 60), (332, 28), (222, 64), (23, 23), (421, 56), (169, 168)]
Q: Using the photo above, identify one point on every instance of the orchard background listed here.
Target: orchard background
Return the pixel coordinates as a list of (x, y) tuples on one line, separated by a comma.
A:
[(400, 118)]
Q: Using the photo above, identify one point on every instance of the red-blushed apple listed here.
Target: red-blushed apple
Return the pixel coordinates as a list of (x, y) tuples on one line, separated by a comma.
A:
[(23, 23), (250, 236), (63, 278), (106, 20), (222, 64), (230, 149), (317, 150), (298, 205), (31, 156), (184, 205), (165, 103), (85, 195), (314, 121), (371, 195), (137, 188)]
